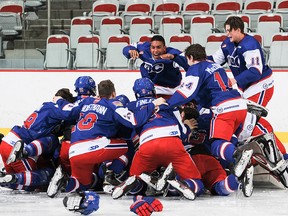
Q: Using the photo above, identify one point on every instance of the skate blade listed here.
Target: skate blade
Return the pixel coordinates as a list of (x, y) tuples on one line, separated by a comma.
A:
[(162, 181), (185, 191), (241, 167), (119, 191), (12, 156), (147, 179)]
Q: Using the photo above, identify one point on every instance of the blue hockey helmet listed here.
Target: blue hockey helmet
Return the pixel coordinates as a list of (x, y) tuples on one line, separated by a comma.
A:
[(144, 87), (123, 99), (85, 85), (84, 203)]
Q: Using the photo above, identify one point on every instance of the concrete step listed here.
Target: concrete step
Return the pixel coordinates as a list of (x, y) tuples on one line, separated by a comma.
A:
[(30, 44), (43, 22), (62, 14), (71, 4)]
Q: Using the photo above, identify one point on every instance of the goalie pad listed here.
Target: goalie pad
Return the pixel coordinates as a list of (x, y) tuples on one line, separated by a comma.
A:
[(268, 156), (248, 127), (84, 203)]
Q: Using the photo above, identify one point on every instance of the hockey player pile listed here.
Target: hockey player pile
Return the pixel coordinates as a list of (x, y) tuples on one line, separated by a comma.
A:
[(177, 138)]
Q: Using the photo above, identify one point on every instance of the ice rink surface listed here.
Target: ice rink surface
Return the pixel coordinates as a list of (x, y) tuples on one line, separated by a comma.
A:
[(265, 201)]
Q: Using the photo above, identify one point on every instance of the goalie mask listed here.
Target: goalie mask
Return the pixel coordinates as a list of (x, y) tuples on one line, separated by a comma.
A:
[(84, 203), (85, 85), (144, 87)]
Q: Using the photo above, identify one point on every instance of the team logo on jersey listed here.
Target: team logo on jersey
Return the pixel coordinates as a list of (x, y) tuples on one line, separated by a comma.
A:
[(157, 68), (250, 127), (219, 109), (265, 86), (233, 61)]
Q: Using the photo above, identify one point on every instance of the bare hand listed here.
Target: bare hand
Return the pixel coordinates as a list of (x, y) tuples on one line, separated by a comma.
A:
[(134, 54), (192, 123), (158, 102)]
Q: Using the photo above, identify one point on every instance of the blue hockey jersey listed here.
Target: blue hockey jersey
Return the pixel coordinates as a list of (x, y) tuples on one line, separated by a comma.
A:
[(162, 72), (104, 117), (43, 120), (160, 124), (207, 84), (246, 61)]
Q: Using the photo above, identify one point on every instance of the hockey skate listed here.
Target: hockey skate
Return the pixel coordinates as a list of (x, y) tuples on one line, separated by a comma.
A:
[(247, 181), (110, 178), (7, 178), (256, 109), (124, 187), (57, 182), (168, 174), (149, 180), (17, 152), (242, 158), (282, 174), (182, 189), (110, 181)]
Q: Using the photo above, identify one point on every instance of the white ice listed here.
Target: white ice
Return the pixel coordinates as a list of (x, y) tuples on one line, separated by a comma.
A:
[(265, 201)]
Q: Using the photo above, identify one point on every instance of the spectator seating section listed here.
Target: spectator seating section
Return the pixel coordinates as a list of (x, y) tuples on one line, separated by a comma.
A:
[(11, 18), (12, 6), (11, 24), (278, 50), (114, 57), (111, 25), (201, 26), (164, 8), (281, 7), (214, 42), (222, 8), (79, 26), (140, 19), (87, 53), (268, 25), (171, 25), (144, 38), (140, 25), (181, 41), (136, 8), (102, 8), (192, 8), (57, 52), (255, 8)]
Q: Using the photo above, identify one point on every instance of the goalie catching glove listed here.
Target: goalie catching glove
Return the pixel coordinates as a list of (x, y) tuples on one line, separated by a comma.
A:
[(84, 202)]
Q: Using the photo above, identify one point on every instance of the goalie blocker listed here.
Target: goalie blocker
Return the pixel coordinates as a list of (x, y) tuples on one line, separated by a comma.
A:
[(268, 156)]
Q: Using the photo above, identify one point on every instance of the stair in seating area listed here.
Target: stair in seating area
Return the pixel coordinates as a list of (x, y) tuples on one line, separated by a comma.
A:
[(35, 31)]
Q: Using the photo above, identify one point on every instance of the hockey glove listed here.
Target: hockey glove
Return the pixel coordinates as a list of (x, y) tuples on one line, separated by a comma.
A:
[(84, 203), (153, 202), (141, 208)]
